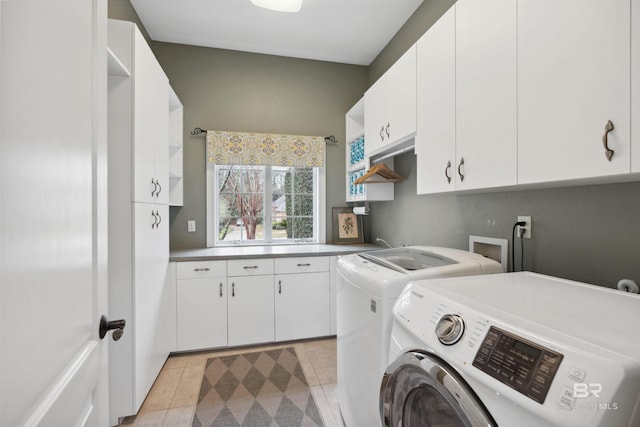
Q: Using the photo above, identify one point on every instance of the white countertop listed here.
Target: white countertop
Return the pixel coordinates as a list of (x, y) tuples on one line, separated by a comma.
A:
[(275, 251)]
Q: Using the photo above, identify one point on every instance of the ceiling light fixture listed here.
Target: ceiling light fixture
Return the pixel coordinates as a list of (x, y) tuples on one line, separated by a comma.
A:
[(279, 5)]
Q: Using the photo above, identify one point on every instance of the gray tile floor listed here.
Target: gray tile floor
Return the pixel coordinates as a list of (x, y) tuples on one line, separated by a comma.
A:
[(174, 395)]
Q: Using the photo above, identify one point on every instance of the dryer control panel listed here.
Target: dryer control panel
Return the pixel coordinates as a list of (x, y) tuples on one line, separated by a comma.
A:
[(522, 365)]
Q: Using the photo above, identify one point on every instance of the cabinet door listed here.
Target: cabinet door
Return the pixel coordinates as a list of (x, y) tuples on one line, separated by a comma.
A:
[(375, 117), (401, 98), (486, 107), (151, 345), (573, 77), (436, 120), (202, 313), (302, 304), (251, 310), (151, 114)]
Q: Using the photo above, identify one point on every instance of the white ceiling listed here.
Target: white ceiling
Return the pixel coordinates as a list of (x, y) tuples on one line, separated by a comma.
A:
[(345, 31)]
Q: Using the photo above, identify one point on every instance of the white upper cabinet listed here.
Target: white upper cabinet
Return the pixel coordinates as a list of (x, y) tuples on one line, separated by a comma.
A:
[(375, 118), (486, 106), (467, 110), (573, 78), (436, 110), (151, 118), (390, 107)]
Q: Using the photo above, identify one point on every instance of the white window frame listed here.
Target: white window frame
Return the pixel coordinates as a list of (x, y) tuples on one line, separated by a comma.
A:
[(319, 215)]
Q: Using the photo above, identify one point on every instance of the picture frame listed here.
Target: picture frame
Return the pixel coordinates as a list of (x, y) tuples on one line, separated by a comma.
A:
[(347, 226)]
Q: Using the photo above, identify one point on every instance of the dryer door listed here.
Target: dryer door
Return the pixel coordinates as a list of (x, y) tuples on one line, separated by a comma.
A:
[(420, 389)]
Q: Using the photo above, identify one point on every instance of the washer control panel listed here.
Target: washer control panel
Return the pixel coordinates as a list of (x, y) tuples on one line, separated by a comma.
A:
[(522, 365)]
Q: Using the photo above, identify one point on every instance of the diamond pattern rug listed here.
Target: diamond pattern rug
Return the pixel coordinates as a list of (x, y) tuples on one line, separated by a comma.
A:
[(265, 388)]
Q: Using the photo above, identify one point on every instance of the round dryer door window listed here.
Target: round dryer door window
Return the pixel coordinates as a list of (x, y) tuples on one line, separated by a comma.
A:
[(420, 389)]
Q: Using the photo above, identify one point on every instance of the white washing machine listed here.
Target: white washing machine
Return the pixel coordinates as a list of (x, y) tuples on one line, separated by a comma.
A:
[(368, 286), (515, 349)]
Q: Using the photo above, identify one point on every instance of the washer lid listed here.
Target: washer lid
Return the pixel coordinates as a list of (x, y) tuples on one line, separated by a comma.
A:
[(407, 259)]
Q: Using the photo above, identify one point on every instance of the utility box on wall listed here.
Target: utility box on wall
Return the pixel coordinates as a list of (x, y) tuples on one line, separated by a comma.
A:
[(491, 247)]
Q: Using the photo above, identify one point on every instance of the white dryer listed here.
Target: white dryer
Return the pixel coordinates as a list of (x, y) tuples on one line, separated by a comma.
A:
[(368, 286), (516, 349)]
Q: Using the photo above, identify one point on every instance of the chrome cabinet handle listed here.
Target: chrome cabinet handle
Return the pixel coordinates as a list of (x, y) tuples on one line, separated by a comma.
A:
[(220, 289), (155, 187), (280, 286), (155, 219), (460, 169), (446, 172), (202, 269), (605, 140), (304, 265), (159, 188), (233, 289), (159, 219), (381, 133), (249, 267), (387, 130)]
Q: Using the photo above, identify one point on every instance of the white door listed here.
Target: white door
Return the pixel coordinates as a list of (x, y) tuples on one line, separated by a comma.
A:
[(401, 98), (302, 296), (251, 309), (486, 107), (573, 77), (375, 114), (53, 86), (436, 107)]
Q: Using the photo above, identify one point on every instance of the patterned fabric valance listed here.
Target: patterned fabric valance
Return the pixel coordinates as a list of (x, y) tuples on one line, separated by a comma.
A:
[(239, 148)]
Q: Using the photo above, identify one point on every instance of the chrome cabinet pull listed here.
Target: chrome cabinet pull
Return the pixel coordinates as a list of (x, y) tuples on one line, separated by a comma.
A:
[(220, 289), (381, 133), (280, 286), (446, 172), (159, 219), (202, 269), (460, 169), (387, 131), (304, 265), (249, 267), (159, 188), (155, 219), (233, 289), (605, 140)]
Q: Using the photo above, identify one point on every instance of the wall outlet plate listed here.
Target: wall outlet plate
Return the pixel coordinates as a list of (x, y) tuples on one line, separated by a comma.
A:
[(526, 227)]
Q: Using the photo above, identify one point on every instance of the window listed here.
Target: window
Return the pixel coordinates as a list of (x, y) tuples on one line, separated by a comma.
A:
[(254, 204)]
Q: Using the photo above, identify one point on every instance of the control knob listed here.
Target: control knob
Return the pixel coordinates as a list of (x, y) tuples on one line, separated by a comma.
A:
[(450, 329)]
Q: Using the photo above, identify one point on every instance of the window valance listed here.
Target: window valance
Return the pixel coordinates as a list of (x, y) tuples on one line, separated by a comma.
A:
[(239, 148)]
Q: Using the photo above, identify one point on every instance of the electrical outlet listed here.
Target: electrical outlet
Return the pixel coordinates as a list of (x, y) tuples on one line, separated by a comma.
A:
[(526, 227), (191, 226)]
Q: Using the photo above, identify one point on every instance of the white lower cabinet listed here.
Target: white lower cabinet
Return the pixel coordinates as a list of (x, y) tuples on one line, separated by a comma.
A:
[(201, 305), (251, 301), (302, 298), (250, 310)]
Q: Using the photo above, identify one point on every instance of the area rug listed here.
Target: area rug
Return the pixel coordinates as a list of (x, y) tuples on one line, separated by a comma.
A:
[(265, 388)]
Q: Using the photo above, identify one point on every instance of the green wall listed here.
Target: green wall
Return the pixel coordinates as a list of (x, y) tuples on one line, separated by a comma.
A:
[(246, 92)]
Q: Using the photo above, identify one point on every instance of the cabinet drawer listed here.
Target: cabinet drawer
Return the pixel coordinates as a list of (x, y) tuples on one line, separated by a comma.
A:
[(201, 269), (301, 264), (250, 267)]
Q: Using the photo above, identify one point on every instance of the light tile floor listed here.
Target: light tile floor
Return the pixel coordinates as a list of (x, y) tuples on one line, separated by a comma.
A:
[(174, 395)]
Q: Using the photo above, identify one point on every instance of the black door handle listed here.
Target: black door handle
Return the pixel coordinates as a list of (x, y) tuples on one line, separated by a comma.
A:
[(117, 326)]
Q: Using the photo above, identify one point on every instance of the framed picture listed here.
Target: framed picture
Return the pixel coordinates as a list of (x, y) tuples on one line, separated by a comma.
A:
[(347, 226)]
